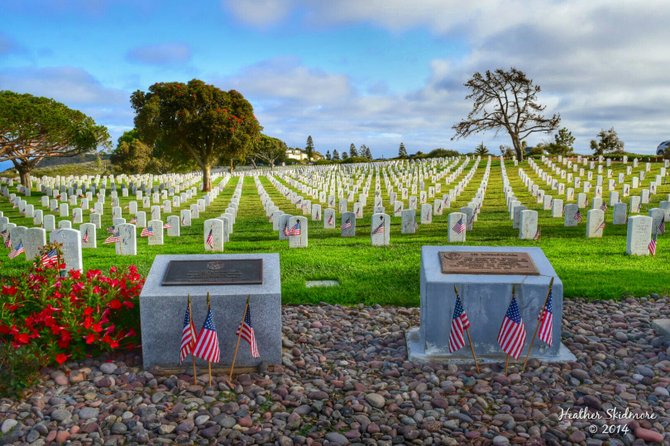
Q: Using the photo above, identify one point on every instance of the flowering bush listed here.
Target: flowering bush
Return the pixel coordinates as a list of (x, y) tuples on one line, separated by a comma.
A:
[(70, 315)]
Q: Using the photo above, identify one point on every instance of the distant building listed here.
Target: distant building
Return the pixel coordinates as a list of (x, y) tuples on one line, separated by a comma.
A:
[(300, 155), (296, 154)]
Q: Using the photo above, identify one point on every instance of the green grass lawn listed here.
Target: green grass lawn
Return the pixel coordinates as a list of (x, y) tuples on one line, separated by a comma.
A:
[(593, 268)]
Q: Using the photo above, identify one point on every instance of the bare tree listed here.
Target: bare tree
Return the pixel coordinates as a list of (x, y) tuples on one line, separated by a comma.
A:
[(505, 100)]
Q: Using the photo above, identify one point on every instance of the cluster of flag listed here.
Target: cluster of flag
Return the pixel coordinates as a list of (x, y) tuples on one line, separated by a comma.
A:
[(147, 232), (205, 345), (512, 333)]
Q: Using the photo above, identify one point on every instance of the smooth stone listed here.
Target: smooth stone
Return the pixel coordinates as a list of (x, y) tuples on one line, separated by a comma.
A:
[(108, 367), (8, 425), (375, 400), (337, 438)]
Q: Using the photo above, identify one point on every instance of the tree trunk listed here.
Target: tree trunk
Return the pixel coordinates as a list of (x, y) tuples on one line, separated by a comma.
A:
[(517, 148), (231, 166), (24, 172), (206, 178)]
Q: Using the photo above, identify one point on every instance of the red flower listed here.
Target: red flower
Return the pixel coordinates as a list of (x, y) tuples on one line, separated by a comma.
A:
[(75, 274), (61, 358), (9, 290), (88, 311), (93, 273), (77, 287), (90, 339), (22, 338), (114, 304)]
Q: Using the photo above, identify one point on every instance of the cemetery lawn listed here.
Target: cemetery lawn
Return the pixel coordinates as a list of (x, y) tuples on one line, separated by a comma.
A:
[(591, 268)]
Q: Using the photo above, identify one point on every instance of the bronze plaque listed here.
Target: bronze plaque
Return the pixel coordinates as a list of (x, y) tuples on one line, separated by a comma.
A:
[(214, 272), (488, 263)]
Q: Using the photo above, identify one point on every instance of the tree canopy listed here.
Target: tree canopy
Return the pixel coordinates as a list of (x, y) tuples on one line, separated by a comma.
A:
[(33, 128), (196, 123), (608, 142), (135, 157), (268, 149), (505, 100)]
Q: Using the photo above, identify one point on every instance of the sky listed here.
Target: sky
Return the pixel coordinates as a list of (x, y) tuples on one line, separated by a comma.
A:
[(373, 72)]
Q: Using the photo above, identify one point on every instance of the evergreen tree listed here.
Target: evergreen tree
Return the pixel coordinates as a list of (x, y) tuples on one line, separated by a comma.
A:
[(336, 155), (309, 148), (328, 155), (352, 150), (402, 152), (345, 155)]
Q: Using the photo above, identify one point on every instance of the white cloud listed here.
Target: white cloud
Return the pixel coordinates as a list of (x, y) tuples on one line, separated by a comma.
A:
[(600, 64)]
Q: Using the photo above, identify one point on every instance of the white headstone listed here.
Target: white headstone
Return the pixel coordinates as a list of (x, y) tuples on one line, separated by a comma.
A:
[(88, 235), (127, 244), (71, 241), (156, 229), (638, 235), (297, 232), (380, 230), (33, 240), (213, 235), (457, 227), (595, 223)]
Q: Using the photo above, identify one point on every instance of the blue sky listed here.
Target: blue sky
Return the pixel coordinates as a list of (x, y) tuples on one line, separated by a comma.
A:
[(374, 72)]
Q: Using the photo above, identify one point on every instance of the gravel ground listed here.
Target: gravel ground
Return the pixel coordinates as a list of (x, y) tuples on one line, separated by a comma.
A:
[(345, 380)]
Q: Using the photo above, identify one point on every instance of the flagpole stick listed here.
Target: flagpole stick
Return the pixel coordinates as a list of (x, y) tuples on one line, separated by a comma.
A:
[(467, 332), (472, 348), (209, 363), (506, 362), (239, 336), (537, 326), (190, 313)]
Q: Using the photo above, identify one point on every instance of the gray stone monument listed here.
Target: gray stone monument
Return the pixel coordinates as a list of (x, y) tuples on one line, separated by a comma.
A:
[(426, 214), (486, 294), (163, 305), (620, 214)]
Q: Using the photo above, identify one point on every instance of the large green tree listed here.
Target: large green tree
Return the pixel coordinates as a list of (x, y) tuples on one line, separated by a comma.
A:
[(505, 100), (563, 143), (33, 128), (133, 156), (268, 149), (196, 123)]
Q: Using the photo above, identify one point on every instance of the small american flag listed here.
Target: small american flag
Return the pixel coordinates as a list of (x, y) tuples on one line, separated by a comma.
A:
[(652, 245), (459, 227), (330, 219), (603, 207), (115, 237), (18, 249), (49, 258), (248, 334), (111, 229), (601, 226), (661, 226), (546, 321), (380, 229), (183, 220), (210, 239), (207, 344), (512, 333), (167, 226), (295, 230), (85, 237), (347, 224), (188, 335), (578, 216), (538, 234), (8, 241), (147, 232), (459, 324)]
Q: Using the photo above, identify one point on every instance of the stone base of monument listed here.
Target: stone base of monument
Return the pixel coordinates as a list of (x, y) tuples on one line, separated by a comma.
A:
[(484, 277), (229, 279)]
